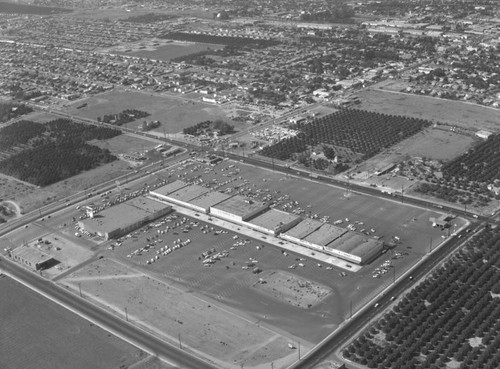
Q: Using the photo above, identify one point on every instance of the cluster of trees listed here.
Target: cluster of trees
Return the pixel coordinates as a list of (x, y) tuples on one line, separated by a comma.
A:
[(436, 320), (54, 161), (52, 151), (208, 127), (126, 116), (465, 179), (479, 164), (479, 196), (363, 132), (270, 96), (9, 110), (149, 18), (221, 40), (19, 133)]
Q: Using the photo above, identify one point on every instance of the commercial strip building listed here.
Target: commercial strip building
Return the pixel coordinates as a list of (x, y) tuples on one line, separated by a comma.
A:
[(315, 235), (273, 222), (186, 194), (238, 209), (124, 218), (323, 236), (355, 247), (204, 202), (333, 240), (162, 192), (33, 258)]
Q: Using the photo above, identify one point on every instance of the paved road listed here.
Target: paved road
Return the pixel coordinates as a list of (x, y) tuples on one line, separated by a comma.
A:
[(336, 340), (180, 357), (104, 319)]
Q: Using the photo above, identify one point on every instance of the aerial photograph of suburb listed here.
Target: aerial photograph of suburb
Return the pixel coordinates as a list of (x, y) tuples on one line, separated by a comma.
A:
[(249, 184)]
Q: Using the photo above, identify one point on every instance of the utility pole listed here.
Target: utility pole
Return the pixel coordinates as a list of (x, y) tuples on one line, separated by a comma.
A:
[(430, 246), (394, 279), (402, 194), (80, 288), (180, 342), (126, 314), (299, 349), (350, 310)]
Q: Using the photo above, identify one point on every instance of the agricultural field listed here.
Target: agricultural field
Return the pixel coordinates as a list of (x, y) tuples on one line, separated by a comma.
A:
[(451, 319), (174, 113), (467, 178), (33, 152), (29, 197), (364, 133), (37, 333), (455, 113)]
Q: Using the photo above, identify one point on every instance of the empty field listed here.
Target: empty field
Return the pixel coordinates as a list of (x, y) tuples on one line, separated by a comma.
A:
[(452, 112), (174, 113), (36, 333), (166, 310), (164, 50)]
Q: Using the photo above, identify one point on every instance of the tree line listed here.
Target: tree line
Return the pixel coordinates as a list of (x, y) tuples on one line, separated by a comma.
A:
[(47, 153)]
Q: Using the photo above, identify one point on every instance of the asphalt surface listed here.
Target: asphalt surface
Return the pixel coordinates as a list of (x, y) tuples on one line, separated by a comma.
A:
[(114, 324), (181, 358)]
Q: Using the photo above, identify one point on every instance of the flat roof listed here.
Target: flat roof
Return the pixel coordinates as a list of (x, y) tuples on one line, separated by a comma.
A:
[(355, 244), (325, 234), (31, 255), (273, 218), (240, 206), (188, 193), (124, 214), (304, 228), (143, 203), (209, 199), (169, 188)]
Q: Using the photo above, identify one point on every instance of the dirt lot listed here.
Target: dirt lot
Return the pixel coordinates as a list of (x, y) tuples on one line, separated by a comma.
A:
[(440, 110), (36, 333), (287, 287), (202, 326), (174, 112)]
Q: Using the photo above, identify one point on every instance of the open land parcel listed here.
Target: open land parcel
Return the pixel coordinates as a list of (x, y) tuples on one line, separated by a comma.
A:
[(36, 333)]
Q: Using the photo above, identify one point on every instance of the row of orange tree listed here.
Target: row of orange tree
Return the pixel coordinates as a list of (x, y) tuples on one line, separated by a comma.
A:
[(452, 316)]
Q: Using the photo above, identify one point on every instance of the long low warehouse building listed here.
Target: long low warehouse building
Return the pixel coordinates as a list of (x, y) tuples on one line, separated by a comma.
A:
[(238, 209), (355, 247), (273, 221), (323, 236), (301, 230), (162, 192), (185, 195), (204, 202), (124, 218)]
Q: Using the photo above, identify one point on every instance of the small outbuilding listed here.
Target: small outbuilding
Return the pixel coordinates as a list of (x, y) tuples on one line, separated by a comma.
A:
[(33, 258)]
